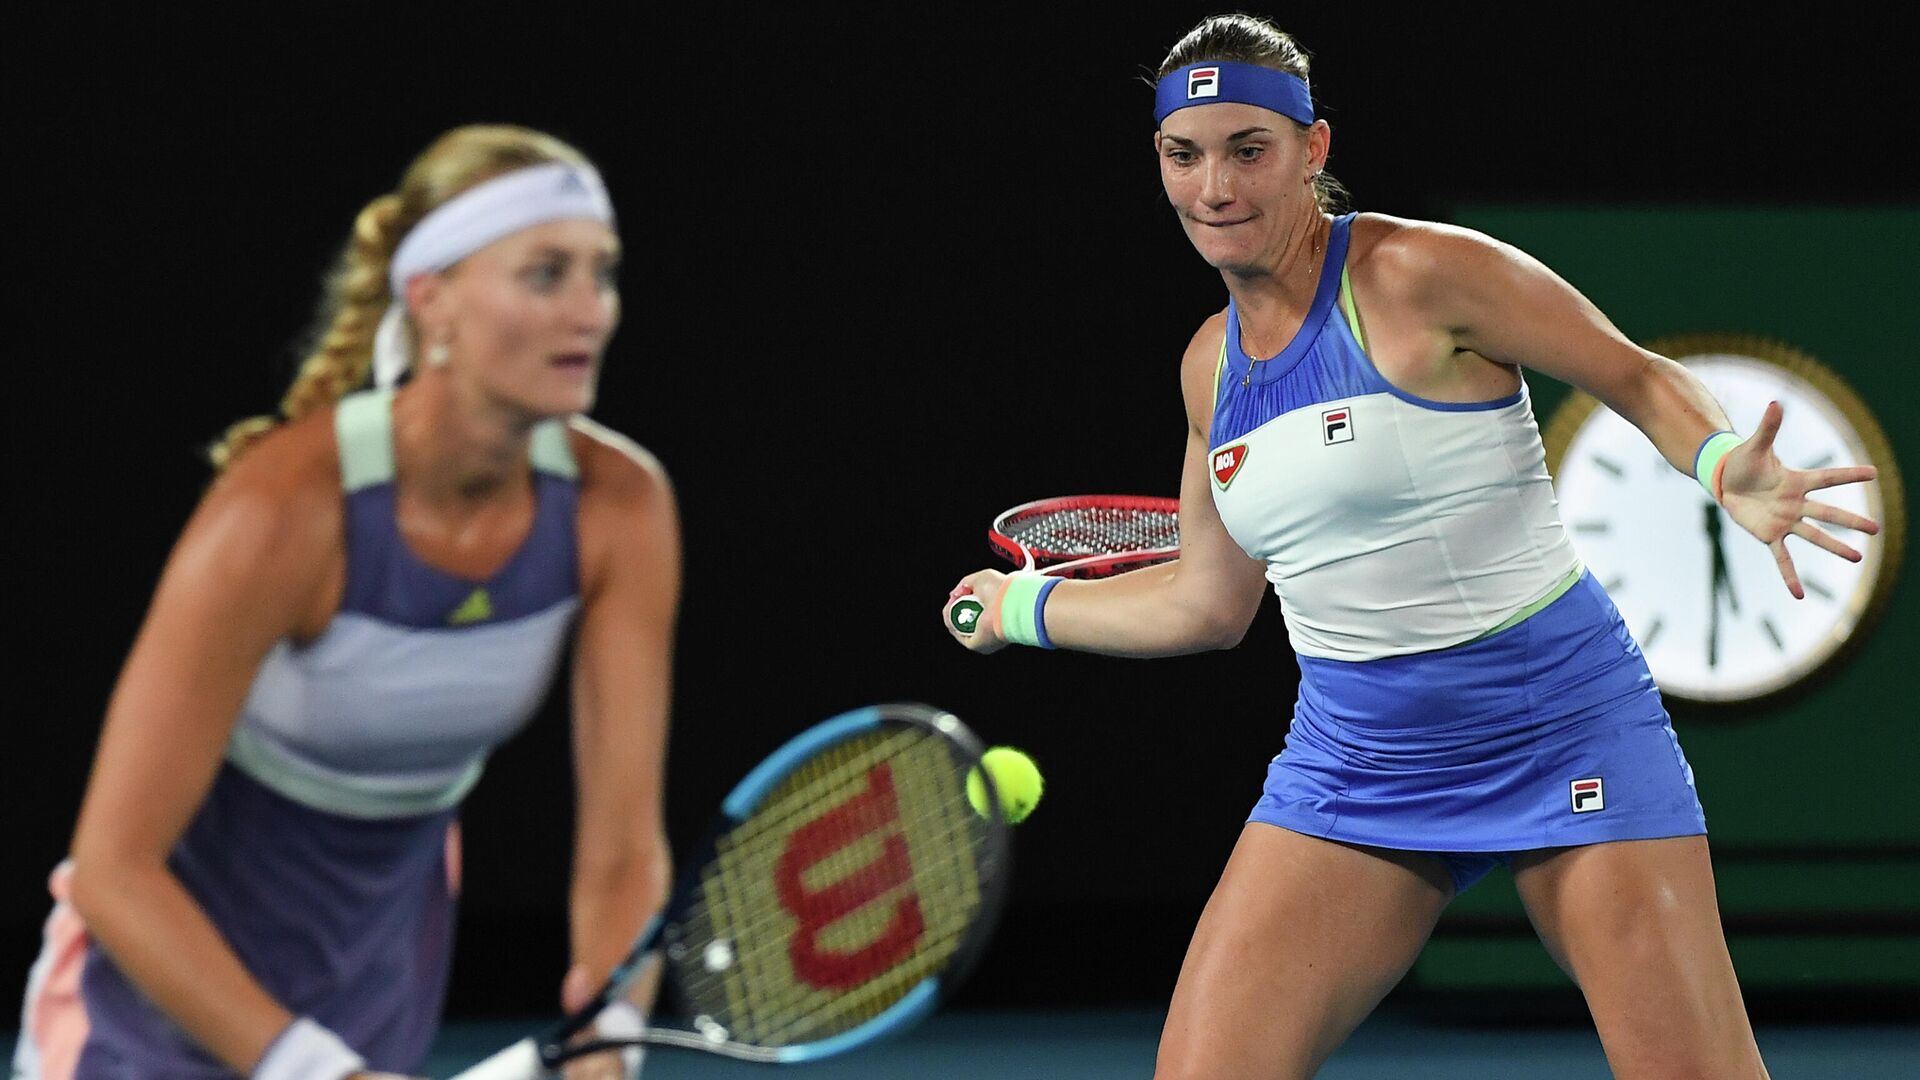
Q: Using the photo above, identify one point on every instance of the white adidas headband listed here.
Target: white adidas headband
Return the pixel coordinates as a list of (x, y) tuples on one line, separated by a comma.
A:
[(470, 221)]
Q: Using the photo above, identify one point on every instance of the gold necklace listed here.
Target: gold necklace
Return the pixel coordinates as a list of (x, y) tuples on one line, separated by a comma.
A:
[(1313, 267)]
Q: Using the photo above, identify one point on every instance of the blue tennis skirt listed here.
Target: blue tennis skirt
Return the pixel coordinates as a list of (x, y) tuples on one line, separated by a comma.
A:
[(1547, 734)]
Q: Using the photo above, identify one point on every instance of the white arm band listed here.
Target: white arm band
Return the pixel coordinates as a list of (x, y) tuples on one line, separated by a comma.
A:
[(307, 1051), (623, 1020)]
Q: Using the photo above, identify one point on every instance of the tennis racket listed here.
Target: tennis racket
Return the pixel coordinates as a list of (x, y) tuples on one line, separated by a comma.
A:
[(844, 888), (1079, 536)]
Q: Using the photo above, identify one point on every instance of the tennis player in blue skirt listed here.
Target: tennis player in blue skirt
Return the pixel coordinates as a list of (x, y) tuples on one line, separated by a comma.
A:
[(1361, 438), (374, 594)]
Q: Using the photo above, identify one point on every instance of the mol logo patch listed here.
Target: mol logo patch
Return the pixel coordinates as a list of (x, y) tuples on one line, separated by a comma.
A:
[(1203, 82), (1588, 795), (1226, 463), (1336, 425)]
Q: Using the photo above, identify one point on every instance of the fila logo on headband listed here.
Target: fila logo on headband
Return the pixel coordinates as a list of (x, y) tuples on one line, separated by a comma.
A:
[(1588, 795), (1203, 82), (1336, 425)]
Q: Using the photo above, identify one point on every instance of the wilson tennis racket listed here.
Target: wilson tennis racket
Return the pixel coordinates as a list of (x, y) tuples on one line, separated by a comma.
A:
[(845, 887), (1079, 536)]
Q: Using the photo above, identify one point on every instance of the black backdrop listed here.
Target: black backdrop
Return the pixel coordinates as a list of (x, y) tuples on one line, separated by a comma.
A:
[(891, 269)]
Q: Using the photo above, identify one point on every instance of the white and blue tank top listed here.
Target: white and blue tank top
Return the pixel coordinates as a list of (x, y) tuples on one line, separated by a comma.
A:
[(392, 710), (1390, 524)]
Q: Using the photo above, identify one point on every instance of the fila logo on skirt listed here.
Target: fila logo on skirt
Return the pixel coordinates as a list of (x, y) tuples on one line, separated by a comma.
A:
[(1588, 795)]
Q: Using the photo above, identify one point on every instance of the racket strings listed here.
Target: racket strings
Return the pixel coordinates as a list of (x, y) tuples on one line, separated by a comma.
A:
[(1095, 530), (822, 782), (743, 909), (765, 1004), (735, 961), (873, 916), (777, 1015)]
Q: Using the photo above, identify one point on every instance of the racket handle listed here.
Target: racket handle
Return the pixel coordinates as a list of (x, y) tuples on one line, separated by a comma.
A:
[(521, 1061), (964, 613)]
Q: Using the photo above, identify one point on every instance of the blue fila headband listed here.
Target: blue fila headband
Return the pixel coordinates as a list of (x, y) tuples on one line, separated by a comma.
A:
[(1247, 84)]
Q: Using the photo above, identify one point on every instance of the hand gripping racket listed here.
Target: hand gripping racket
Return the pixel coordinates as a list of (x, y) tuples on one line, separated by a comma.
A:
[(1079, 536), (845, 887)]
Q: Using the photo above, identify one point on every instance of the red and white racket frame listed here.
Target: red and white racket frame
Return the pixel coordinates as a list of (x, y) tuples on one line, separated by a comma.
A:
[(1071, 564)]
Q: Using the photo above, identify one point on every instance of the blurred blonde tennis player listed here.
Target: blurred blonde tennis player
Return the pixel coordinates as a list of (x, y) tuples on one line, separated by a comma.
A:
[(374, 594)]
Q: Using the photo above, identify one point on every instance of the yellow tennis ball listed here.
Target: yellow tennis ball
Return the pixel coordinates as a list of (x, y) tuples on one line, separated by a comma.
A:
[(1016, 779)]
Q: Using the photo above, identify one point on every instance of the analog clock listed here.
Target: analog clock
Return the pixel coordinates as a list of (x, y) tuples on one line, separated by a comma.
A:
[(1701, 596)]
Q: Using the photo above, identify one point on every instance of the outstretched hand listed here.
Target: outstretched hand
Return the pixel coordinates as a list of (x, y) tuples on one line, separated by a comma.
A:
[(1770, 500)]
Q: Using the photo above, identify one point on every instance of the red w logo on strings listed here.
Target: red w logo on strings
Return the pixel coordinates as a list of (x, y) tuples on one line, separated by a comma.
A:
[(874, 811)]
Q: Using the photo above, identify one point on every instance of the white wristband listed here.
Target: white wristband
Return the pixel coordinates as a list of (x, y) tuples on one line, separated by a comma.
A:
[(307, 1051), (623, 1020)]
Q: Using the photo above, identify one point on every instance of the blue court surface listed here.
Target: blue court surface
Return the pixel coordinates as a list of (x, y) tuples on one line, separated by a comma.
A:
[(1120, 1045)]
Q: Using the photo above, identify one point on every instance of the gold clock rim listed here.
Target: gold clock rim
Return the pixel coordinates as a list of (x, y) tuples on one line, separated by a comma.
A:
[(1573, 413)]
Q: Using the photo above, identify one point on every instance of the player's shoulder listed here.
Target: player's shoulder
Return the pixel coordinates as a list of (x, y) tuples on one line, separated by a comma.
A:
[(629, 525), (615, 470), (280, 499), (1396, 256), (1200, 365), (292, 472), (1203, 349)]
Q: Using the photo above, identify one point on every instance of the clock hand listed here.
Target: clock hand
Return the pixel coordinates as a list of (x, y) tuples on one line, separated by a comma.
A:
[(1713, 587), (1726, 586), (1722, 580)]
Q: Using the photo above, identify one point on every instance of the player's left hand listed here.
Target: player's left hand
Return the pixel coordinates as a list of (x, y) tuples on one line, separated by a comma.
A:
[(1770, 501)]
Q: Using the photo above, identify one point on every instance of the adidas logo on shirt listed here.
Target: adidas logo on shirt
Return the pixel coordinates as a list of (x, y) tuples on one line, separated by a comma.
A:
[(477, 607)]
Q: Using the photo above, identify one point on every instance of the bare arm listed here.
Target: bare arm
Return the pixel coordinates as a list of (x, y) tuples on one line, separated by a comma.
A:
[(630, 546), (1505, 305), (1203, 600), (1501, 303), (245, 571)]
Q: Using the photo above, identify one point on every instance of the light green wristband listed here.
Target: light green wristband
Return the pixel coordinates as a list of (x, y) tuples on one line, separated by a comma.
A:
[(1706, 461), (1019, 614)]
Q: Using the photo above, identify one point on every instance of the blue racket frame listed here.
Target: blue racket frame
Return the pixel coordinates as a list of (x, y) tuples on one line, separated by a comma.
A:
[(737, 807)]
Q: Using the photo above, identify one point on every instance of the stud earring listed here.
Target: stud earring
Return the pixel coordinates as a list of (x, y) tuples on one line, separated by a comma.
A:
[(437, 355)]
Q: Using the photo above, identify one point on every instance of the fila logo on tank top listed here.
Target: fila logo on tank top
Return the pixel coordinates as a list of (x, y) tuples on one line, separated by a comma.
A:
[(1389, 524)]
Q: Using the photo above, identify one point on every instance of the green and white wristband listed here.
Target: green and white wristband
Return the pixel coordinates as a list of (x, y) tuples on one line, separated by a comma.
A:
[(1709, 458), (1023, 603)]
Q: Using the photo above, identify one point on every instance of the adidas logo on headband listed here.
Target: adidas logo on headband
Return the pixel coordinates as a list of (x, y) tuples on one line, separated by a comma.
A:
[(1203, 82)]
